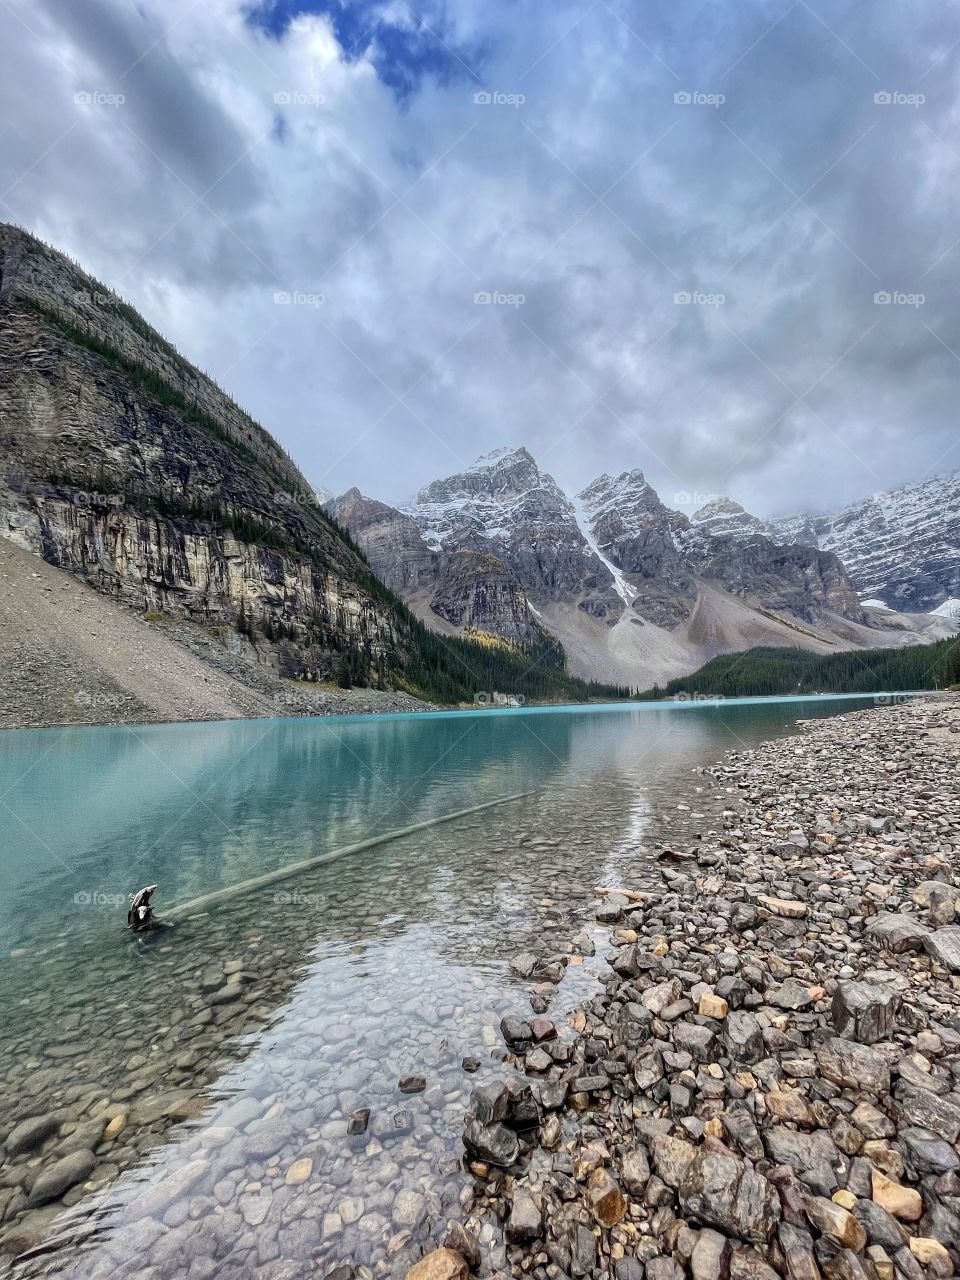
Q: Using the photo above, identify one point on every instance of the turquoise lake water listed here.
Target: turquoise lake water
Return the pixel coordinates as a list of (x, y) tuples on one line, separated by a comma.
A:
[(295, 1003)]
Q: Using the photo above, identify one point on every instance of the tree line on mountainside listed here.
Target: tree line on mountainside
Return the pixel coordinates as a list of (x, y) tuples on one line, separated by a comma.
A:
[(767, 671)]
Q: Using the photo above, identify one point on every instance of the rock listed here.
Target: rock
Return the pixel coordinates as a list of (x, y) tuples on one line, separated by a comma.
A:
[(931, 1253), (525, 1223), (783, 906), (515, 1030), (115, 1127), (899, 1201), (358, 1121), (635, 1172), (524, 964), (928, 1111), (746, 1264), (710, 1257), (412, 1084), (940, 900), (543, 1029), (461, 1240), (926, 1152), (409, 1209), (864, 1012), (441, 1264), (604, 1198), (30, 1134), (493, 1143), (944, 946), (832, 1220), (299, 1172), (880, 1226), (743, 1037), (672, 1157), (853, 1066), (804, 1152), (657, 998), (54, 1179), (712, 1006), (726, 1193), (489, 1102), (699, 1042), (791, 994), (897, 932)]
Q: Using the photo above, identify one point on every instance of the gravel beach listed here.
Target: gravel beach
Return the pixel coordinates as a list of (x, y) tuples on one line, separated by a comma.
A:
[(768, 1083)]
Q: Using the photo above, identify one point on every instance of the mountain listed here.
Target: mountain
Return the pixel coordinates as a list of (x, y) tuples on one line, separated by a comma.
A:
[(128, 468), (634, 591), (901, 547)]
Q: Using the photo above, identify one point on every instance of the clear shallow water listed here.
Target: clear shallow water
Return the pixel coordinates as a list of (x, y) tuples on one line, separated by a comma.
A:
[(242, 1040)]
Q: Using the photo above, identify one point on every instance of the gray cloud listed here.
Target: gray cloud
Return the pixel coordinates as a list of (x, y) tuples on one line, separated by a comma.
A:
[(782, 186)]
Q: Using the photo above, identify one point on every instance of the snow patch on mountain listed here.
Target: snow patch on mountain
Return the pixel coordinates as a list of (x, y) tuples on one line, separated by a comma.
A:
[(623, 588), (949, 609)]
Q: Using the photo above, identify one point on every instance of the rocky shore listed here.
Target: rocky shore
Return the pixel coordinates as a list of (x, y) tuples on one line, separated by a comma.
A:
[(769, 1082)]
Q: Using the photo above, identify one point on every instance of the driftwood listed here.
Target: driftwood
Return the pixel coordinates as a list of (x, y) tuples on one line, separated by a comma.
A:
[(140, 915)]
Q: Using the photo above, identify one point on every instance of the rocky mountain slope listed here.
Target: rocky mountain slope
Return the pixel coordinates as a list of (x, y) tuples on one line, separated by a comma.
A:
[(901, 547), (126, 466), (634, 591)]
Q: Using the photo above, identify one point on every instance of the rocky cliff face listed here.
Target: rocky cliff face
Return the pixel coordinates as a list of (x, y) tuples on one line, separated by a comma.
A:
[(123, 464), (901, 547), (505, 506), (469, 588), (638, 534)]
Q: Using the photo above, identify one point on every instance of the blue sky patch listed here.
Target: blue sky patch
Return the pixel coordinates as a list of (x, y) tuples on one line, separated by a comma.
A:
[(402, 54)]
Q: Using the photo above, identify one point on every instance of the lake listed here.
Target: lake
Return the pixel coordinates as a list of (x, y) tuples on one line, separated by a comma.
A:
[(195, 1103)]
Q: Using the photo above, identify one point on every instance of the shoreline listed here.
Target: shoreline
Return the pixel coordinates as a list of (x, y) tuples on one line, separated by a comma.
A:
[(768, 1083), (409, 704)]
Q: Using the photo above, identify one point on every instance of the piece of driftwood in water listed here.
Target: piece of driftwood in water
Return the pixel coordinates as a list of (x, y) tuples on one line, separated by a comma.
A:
[(140, 915)]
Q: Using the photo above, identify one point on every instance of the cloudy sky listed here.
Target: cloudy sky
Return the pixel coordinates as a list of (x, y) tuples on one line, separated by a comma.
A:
[(624, 233)]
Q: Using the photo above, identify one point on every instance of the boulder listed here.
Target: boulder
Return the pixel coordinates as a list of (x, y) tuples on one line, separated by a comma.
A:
[(897, 932), (604, 1198), (440, 1264), (853, 1066), (55, 1179), (864, 1012), (493, 1143), (724, 1192), (743, 1037), (944, 946), (525, 1223)]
